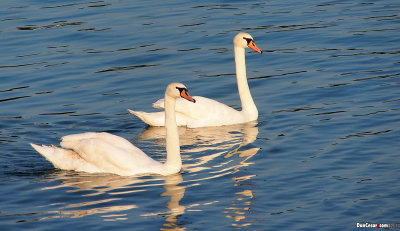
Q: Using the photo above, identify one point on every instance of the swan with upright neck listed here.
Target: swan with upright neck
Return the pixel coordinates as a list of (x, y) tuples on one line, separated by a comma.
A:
[(106, 153), (208, 112)]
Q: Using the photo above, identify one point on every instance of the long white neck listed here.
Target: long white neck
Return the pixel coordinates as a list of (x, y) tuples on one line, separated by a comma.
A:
[(248, 105), (174, 162)]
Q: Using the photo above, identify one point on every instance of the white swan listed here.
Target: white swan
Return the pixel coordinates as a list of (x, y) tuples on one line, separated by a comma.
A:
[(208, 112), (103, 152)]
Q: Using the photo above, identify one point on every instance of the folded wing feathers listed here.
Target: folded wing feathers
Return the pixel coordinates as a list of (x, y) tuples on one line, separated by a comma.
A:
[(106, 151)]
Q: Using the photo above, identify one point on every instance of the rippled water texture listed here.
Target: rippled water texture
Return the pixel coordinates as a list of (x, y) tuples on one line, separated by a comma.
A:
[(324, 154)]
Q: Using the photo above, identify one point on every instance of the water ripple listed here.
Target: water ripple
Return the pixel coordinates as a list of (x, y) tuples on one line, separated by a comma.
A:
[(55, 24), (127, 68)]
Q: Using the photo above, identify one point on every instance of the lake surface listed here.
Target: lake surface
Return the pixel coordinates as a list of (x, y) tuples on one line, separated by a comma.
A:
[(323, 155)]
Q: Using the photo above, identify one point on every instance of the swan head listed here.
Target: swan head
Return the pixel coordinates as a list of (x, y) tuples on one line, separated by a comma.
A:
[(245, 40), (178, 90)]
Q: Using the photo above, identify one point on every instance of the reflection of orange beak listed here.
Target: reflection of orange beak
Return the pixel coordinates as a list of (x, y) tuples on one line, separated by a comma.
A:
[(185, 95), (253, 46)]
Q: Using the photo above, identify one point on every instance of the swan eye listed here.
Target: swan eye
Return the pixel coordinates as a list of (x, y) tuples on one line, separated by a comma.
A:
[(183, 92), (248, 40), (182, 89)]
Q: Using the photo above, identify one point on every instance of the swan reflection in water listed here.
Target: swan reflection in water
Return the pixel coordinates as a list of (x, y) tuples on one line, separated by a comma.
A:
[(112, 207), (208, 142), (208, 152), (228, 142)]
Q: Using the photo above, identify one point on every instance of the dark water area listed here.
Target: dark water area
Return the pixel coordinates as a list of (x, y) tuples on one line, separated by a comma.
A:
[(323, 155)]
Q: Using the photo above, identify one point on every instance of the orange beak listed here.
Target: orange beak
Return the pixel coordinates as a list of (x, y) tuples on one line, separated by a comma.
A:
[(185, 95), (253, 46)]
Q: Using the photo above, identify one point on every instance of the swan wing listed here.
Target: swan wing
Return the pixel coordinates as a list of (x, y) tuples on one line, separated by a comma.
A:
[(103, 136), (205, 112), (110, 153), (201, 109)]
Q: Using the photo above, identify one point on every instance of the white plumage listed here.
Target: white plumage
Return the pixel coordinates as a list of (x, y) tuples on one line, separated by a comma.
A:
[(103, 152), (208, 112)]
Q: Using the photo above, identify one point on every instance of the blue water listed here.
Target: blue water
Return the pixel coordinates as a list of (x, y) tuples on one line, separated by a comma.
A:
[(324, 154)]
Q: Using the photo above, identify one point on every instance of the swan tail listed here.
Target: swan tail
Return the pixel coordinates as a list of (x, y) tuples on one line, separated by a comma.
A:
[(52, 154), (151, 118), (157, 119), (64, 158)]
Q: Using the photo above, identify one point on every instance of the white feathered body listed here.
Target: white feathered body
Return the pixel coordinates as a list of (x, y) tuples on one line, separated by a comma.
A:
[(98, 153), (207, 112), (106, 153)]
